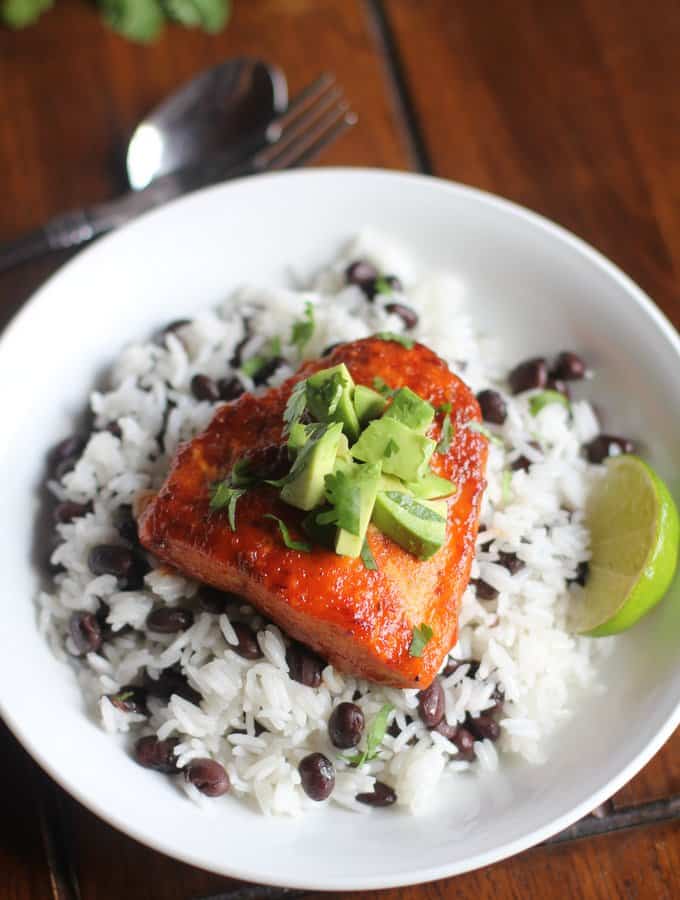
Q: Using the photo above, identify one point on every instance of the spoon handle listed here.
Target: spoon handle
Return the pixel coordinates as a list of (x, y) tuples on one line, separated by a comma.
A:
[(68, 230)]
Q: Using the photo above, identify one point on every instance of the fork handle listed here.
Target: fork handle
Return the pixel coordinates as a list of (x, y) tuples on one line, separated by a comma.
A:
[(68, 230)]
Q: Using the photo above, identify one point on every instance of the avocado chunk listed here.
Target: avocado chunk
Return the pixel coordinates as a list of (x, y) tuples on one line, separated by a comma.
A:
[(304, 486), (297, 438), (402, 451), (329, 395), (411, 410), (368, 404), (431, 487), (367, 479), (418, 526)]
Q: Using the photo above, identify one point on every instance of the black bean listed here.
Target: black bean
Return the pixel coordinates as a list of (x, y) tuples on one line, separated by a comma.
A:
[(569, 367), (556, 384), (330, 348), (510, 561), (85, 632), (607, 445), (382, 795), (533, 373), (158, 755), (407, 315), (237, 358), (304, 665), (431, 704), (169, 682), (230, 388), (492, 406), (446, 730), (363, 274), (581, 574), (209, 776), (130, 698), (68, 511), (125, 524), (205, 388), (464, 740), (169, 619), (499, 696), (483, 726), (484, 590), (212, 600), (66, 453), (264, 373), (110, 559), (346, 725), (318, 776), (247, 646)]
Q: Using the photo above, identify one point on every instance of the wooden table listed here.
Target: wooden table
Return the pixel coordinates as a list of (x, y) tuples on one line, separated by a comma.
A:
[(568, 107)]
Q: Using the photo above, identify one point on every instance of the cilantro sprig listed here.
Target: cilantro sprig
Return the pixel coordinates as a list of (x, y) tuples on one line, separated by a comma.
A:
[(295, 406), (367, 557), (407, 342), (256, 363), (344, 494), (224, 495), (374, 737), (302, 330), (421, 637), (302, 546), (444, 442)]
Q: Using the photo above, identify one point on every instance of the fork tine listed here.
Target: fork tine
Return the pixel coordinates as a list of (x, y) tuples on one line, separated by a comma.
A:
[(300, 125), (299, 104), (309, 144)]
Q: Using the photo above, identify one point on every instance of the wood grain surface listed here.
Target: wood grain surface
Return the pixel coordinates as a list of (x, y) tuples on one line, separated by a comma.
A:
[(568, 107)]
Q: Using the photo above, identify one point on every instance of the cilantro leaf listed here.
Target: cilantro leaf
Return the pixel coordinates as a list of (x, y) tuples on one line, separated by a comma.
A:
[(211, 15), (139, 20), (344, 494), (374, 737), (382, 387), (240, 475), (256, 363), (391, 448), (506, 486), (20, 13), (302, 546), (421, 637), (295, 406), (303, 330), (444, 408), (224, 495), (367, 557), (382, 285), (545, 398), (396, 338), (444, 442), (485, 432)]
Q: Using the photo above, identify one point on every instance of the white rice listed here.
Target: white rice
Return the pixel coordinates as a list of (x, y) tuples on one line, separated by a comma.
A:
[(519, 639)]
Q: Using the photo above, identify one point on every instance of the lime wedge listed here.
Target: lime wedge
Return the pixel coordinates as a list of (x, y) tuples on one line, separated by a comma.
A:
[(634, 535)]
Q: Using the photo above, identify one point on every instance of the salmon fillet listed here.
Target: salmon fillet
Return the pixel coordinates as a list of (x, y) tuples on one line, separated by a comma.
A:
[(361, 620)]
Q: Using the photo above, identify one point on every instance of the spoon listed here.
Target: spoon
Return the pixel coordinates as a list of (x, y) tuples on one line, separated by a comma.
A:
[(214, 111)]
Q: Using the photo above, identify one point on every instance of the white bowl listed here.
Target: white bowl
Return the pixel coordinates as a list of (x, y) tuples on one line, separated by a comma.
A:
[(532, 282)]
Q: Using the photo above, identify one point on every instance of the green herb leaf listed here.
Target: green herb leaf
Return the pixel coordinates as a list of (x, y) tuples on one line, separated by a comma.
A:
[(303, 330), (211, 15), (374, 737), (382, 286), (367, 557), (485, 432), (224, 495), (444, 443), (240, 475), (445, 409), (302, 546), (414, 507), (506, 486), (344, 494), (323, 398), (396, 338), (295, 406), (256, 363), (139, 20), (391, 448), (382, 387), (545, 398), (20, 13), (421, 637)]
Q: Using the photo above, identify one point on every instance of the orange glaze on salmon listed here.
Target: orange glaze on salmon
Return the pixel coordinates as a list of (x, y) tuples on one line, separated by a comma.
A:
[(361, 620)]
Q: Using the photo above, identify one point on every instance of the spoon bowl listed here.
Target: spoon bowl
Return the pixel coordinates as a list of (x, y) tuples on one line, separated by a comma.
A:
[(214, 110)]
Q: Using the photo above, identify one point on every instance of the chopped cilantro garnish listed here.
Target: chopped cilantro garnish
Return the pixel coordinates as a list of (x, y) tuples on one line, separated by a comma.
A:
[(295, 406), (240, 475), (545, 398), (256, 363), (344, 494), (444, 442), (323, 397), (485, 432), (382, 387), (391, 448), (444, 408), (367, 557), (302, 546), (303, 330), (421, 637), (396, 338), (374, 737), (382, 285), (506, 486), (226, 496)]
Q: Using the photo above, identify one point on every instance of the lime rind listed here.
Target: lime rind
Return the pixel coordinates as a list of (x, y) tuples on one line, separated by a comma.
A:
[(635, 533)]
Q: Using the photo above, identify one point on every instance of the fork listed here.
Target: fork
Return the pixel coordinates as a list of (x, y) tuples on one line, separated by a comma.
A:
[(315, 118)]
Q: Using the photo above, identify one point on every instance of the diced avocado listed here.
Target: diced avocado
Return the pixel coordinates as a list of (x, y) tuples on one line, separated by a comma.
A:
[(368, 404), (297, 437), (431, 486), (368, 479), (418, 526), (411, 410), (343, 448), (329, 398), (305, 486), (402, 451)]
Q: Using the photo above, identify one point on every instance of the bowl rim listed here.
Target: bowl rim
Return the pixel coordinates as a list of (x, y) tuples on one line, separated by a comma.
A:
[(530, 837)]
